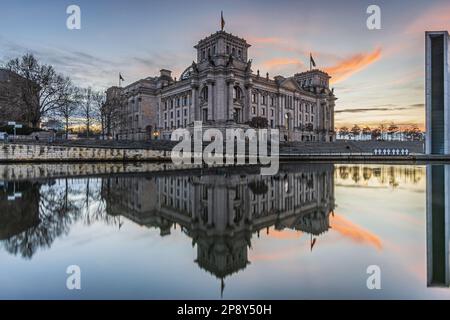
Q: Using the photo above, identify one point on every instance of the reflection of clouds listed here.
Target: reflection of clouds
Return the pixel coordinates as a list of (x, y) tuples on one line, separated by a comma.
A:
[(59, 205), (353, 232)]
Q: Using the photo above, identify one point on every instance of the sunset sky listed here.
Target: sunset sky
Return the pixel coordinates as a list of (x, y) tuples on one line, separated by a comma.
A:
[(378, 75)]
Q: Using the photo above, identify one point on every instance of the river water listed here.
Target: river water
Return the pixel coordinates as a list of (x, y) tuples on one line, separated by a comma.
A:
[(312, 231)]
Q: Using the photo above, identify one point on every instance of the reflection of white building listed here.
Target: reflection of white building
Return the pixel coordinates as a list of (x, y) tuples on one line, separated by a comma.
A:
[(438, 225), (221, 212), (221, 90), (437, 97)]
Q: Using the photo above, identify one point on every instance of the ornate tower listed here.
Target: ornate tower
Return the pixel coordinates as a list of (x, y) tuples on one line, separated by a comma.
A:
[(219, 46), (221, 61)]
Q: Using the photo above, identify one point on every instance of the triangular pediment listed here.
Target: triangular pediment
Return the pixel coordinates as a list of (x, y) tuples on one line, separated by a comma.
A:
[(290, 84)]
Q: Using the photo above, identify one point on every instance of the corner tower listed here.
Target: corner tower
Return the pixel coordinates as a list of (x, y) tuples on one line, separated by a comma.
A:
[(219, 46)]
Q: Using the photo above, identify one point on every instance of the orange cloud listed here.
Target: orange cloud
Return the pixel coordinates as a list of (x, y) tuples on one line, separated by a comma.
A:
[(354, 232), (351, 65), (279, 62)]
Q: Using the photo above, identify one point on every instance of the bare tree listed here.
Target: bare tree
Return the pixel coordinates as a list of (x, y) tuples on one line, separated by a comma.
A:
[(110, 111), (43, 89), (98, 102), (88, 109), (356, 131), (69, 104)]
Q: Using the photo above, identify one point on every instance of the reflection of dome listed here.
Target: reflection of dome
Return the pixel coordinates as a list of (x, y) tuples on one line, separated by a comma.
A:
[(186, 73)]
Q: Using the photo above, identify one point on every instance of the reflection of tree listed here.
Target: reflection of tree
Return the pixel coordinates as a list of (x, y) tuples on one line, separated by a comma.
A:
[(367, 173), (355, 175), (393, 176), (55, 214), (61, 203), (343, 172)]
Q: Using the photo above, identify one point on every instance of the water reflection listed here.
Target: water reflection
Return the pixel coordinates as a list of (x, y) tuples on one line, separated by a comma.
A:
[(438, 225), (376, 175), (222, 211), (34, 214)]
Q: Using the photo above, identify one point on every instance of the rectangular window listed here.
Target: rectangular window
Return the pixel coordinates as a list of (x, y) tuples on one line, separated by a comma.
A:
[(253, 110)]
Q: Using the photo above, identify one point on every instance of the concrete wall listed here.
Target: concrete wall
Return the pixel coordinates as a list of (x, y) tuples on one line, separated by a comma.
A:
[(27, 152), (32, 171)]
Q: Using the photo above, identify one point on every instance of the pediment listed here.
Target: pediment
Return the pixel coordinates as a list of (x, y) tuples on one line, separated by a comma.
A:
[(290, 84)]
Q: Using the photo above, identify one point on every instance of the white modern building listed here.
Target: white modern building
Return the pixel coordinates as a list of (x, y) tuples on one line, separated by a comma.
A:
[(437, 95)]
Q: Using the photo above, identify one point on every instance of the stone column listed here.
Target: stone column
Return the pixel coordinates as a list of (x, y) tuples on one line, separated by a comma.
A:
[(210, 100), (230, 103), (194, 109), (248, 104), (258, 104)]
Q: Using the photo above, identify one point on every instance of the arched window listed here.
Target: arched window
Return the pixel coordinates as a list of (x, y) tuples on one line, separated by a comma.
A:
[(205, 93)]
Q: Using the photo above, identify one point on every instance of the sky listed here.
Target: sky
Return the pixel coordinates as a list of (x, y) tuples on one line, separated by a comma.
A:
[(377, 75)]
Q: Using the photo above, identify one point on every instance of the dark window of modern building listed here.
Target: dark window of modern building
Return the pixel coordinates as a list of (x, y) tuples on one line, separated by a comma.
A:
[(437, 94)]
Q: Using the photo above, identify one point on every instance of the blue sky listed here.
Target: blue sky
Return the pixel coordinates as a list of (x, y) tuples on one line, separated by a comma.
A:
[(377, 74)]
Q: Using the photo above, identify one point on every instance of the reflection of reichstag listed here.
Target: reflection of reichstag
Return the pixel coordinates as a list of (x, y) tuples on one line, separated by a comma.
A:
[(221, 212)]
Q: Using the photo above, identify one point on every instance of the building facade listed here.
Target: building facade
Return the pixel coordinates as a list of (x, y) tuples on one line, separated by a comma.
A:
[(437, 92), (17, 102), (221, 90)]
